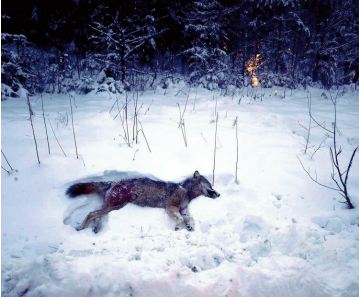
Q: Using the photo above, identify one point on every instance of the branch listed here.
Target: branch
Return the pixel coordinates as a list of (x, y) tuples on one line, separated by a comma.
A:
[(350, 164), (315, 179), (7, 161)]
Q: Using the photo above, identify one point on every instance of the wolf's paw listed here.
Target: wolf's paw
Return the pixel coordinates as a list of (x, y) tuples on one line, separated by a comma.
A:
[(189, 227), (79, 228), (96, 228)]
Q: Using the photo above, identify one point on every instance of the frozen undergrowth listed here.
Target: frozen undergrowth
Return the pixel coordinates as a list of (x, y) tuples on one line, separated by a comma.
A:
[(274, 234)]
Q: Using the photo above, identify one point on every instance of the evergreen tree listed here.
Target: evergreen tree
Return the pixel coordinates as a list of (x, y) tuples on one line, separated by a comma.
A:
[(123, 40), (206, 54)]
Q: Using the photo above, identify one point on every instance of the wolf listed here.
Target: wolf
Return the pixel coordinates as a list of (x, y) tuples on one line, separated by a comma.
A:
[(144, 191)]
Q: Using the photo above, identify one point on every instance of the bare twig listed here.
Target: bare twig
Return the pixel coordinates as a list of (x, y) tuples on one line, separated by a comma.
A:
[(73, 128), (134, 155), (215, 150), (184, 110), (113, 105), (350, 165), (144, 136), (32, 127), (118, 109), (338, 176), (334, 154), (236, 125), (309, 124), (182, 125), (149, 107), (53, 132), (126, 119), (180, 91), (204, 138), (7, 161), (194, 101), (118, 113), (8, 172), (215, 107), (315, 179), (321, 125), (137, 113), (318, 147), (184, 132), (126, 138), (43, 115), (135, 118)]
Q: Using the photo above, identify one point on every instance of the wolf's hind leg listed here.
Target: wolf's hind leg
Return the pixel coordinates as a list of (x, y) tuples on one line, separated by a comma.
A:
[(97, 226), (93, 216), (174, 213), (187, 218)]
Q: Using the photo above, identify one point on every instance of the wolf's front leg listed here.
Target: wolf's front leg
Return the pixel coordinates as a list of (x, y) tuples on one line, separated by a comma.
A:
[(174, 213), (187, 218)]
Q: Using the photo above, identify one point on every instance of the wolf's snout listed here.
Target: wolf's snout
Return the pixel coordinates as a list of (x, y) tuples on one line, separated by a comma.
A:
[(213, 194)]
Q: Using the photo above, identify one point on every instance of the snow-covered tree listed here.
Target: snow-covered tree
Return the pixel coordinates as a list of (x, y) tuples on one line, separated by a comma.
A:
[(207, 37), (284, 44), (122, 40), (209, 42), (333, 54), (13, 72)]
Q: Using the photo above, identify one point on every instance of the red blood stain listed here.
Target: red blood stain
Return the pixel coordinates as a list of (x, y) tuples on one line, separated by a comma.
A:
[(120, 194)]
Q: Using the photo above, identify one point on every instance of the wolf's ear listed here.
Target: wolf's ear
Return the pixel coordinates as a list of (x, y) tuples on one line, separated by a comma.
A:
[(196, 174)]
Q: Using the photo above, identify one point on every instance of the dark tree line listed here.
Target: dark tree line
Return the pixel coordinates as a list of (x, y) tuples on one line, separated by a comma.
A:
[(56, 46)]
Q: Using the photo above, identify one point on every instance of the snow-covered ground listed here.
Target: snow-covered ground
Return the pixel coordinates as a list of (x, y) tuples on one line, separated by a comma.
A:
[(276, 233)]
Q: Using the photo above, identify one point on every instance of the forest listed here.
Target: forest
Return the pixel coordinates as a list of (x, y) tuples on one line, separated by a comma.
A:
[(180, 148), (85, 45)]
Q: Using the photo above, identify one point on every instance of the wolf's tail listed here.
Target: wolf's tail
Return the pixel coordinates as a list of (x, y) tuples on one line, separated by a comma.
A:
[(87, 188)]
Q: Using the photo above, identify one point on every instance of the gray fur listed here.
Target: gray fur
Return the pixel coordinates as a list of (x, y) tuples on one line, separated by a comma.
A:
[(144, 191)]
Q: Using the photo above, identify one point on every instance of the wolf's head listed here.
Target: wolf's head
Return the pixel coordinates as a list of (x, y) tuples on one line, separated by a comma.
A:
[(198, 185)]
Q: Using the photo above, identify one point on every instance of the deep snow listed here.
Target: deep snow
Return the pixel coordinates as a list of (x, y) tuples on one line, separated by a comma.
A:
[(275, 233)]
